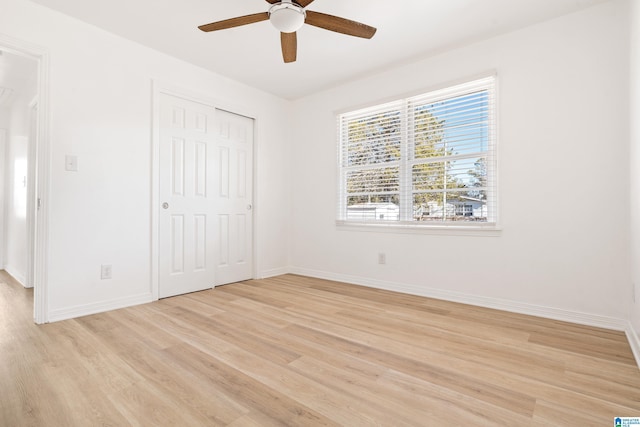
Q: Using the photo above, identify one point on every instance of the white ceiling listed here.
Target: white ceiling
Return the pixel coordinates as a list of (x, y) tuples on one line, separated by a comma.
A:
[(407, 30)]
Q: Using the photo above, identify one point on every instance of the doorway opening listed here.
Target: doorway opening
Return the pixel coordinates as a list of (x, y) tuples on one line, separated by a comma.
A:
[(23, 167)]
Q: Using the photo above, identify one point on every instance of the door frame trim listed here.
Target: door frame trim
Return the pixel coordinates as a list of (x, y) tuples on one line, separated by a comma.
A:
[(159, 88), (32, 151), (41, 165)]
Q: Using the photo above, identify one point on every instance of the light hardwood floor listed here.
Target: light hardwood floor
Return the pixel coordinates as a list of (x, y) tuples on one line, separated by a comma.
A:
[(297, 351)]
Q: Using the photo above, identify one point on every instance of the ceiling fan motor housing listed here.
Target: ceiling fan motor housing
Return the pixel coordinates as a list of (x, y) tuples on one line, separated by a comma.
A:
[(287, 17)]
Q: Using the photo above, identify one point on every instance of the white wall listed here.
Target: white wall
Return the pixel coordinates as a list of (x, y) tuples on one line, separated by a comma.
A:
[(563, 148), (15, 239), (100, 103), (16, 178), (634, 114), (16, 208)]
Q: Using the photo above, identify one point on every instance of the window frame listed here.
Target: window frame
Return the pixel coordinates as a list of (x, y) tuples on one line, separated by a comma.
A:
[(406, 190)]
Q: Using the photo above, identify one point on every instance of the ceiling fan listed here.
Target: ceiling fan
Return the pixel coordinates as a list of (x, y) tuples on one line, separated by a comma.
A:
[(288, 16)]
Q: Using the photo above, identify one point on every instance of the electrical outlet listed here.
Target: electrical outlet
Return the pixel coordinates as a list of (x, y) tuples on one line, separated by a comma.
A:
[(382, 258), (105, 271)]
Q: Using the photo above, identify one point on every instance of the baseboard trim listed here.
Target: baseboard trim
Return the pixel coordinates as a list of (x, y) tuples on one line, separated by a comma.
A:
[(274, 272), (495, 303), (17, 275), (85, 310), (634, 341)]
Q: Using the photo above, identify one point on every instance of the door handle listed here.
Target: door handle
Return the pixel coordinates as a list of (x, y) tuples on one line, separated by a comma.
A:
[(165, 205), (249, 207)]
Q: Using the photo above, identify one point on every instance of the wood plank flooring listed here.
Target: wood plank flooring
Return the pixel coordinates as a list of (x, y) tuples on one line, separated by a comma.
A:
[(306, 352)]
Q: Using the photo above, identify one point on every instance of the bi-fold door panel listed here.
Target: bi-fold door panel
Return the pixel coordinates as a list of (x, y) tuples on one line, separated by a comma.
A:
[(186, 237), (234, 141)]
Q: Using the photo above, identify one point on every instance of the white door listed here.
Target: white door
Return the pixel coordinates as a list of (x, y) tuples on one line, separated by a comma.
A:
[(234, 203), (187, 197), (206, 165)]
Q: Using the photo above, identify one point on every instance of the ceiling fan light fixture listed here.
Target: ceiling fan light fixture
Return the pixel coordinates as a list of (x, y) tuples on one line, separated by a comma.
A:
[(287, 17)]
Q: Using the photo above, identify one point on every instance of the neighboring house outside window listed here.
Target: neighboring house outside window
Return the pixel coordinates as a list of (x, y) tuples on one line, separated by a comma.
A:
[(428, 160)]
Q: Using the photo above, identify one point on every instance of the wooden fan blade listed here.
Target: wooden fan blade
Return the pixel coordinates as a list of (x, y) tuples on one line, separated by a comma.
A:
[(289, 42), (235, 22), (339, 25)]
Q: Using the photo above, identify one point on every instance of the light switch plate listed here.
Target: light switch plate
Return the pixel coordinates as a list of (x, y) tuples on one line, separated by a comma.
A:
[(71, 163)]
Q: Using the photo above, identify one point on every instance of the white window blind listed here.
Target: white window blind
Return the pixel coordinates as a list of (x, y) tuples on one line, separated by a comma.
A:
[(424, 160)]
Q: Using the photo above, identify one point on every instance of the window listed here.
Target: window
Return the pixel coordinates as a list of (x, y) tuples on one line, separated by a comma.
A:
[(425, 160)]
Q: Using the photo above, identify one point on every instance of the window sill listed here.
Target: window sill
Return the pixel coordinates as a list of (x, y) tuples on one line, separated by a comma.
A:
[(486, 230)]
